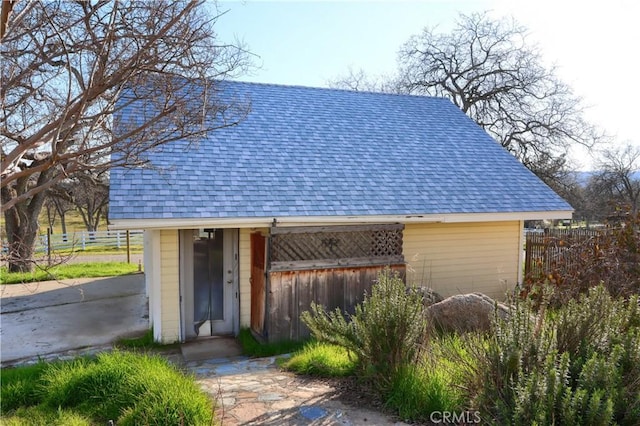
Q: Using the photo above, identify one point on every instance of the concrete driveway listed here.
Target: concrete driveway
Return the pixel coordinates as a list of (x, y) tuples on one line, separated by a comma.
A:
[(56, 316)]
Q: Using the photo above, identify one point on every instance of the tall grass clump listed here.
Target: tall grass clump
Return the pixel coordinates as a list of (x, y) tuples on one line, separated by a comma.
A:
[(127, 388), (433, 383), (20, 386), (577, 364), (42, 416), (385, 332), (322, 359)]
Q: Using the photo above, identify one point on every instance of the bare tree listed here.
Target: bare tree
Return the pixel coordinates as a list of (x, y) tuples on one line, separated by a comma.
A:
[(487, 68), (597, 205), (52, 213), (70, 69), (5, 11), (89, 194), (617, 182), (359, 80), (58, 201)]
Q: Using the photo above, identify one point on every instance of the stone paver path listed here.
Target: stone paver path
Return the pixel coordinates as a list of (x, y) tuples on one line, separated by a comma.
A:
[(257, 392)]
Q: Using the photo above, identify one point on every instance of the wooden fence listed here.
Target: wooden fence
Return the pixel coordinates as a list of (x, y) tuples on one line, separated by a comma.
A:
[(549, 248), (293, 291), (331, 265)]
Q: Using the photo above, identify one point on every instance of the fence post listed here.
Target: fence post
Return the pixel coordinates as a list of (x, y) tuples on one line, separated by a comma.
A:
[(128, 248), (48, 246), (82, 240), (527, 254)]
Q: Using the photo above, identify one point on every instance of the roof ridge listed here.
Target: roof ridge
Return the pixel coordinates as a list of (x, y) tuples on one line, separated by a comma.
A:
[(334, 89)]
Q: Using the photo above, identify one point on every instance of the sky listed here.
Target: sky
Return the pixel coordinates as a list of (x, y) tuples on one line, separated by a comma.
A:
[(593, 44)]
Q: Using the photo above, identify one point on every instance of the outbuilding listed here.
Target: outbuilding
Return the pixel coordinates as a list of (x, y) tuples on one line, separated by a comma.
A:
[(310, 196)]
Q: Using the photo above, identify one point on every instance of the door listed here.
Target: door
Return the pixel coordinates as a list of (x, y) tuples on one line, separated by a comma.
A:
[(210, 282), (258, 291)]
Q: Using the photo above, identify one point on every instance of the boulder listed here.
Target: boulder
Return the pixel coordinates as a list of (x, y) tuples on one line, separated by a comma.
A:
[(429, 296), (465, 312)]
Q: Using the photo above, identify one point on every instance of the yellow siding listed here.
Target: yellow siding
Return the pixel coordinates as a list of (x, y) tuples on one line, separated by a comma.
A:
[(169, 286), (244, 252), (455, 258)]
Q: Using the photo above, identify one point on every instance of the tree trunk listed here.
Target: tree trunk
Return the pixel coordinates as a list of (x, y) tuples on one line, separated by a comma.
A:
[(62, 212), (21, 223), (51, 216), (63, 225)]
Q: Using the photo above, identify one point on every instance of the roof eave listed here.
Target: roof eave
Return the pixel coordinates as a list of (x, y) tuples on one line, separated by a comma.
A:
[(261, 222)]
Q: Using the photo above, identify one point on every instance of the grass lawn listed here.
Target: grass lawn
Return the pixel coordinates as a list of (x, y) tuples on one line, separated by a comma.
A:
[(123, 387), (73, 220), (98, 249), (69, 271), (251, 347)]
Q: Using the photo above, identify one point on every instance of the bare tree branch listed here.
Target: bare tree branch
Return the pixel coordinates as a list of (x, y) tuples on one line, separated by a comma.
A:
[(487, 68), (71, 69), (617, 182)]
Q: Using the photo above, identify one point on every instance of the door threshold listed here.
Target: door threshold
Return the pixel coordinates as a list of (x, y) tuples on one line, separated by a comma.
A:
[(210, 347)]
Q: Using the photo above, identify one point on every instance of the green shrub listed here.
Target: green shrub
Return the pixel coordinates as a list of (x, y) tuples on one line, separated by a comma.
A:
[(322, 359), (385, 332), (577, 365)]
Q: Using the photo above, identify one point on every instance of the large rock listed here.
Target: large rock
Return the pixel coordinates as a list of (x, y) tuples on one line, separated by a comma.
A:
[(465, 312), (429, 296)]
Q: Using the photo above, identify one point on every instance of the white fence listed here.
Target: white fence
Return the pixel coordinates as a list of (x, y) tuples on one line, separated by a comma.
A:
[(116, 240)]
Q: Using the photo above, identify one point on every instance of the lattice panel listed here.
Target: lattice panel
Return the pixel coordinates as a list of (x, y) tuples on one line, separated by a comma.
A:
[(386, 243), (299, 246)]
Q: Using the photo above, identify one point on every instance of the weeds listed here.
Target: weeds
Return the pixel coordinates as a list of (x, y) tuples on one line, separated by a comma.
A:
[(610, 258)]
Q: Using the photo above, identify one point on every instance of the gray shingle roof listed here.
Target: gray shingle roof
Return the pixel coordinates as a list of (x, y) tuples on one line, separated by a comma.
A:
[(316, 152)]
